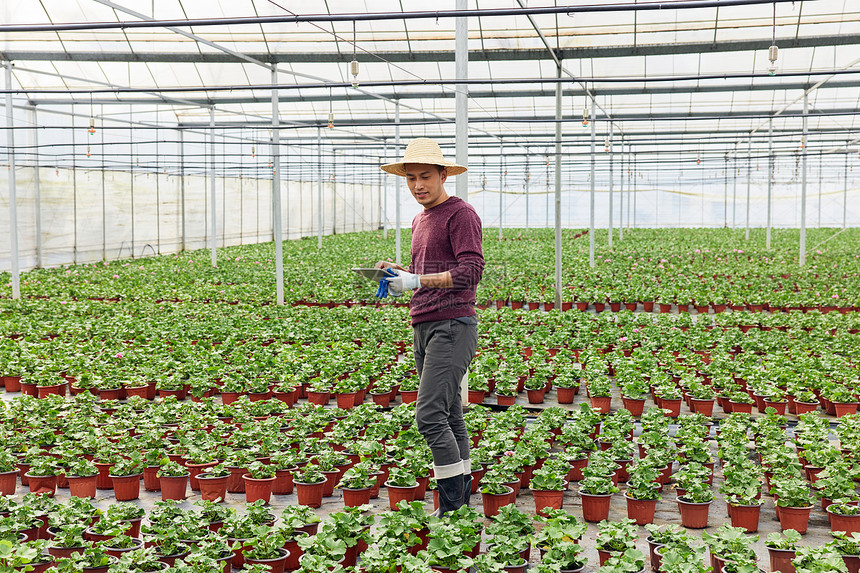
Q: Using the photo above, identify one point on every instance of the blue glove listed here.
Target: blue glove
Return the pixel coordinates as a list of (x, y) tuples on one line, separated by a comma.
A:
[(383, 290)]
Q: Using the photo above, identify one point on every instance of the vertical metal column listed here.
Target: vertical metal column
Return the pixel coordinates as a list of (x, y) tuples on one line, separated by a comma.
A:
[(36, 183), (749, 184), (635, 188), (319, 189), (276, 191), (844, 192), (726, 190), (591, 198), (802, 260), (213, 224), (528, 176), (13, 195), (621, 194), (461, 111), (611, 211), (104, 193), (131, 173), (75, 197), (397, 179), (501, 184), (157, 195), (182, 181), (770, 167), (734, 187), (384, 210), (558, 285)]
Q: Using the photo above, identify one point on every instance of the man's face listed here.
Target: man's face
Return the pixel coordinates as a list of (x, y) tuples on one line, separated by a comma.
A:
[(426, 183)]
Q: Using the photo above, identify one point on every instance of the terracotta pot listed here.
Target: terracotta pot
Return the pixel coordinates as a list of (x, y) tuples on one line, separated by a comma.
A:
[(745, 516), (780, 560), (294, 554), (595, 508), (345, 400), (694, 515), (8, 482), (310, 494), (150, 478), (476, 396), (634, 405), (491, 502), (704, 407), (212, 488), (258, 488), (547, 498), (42, 485), (235, 483), (383, 399), (318, 398), (65, 551), (575, 472), (740, 407), (397, 493), (566, 395), (52, 390), (655, 556), (173, 487), (796, 518), (847, 523), (845, 408), (275, 565), (805, 408), (506, 400), (356, 497), (641, 510), (196, 469), (408, 396), (126, 488), (103, 481), (601, 403), (139, 391), (283, 482), (852, 562), (82, 486), (229, 397), (241, 545)]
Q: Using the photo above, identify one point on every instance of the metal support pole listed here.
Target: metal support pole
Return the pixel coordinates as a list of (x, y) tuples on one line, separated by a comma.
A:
[(104, 194), (276, 192), (36, 183), (802, 260), (13, 195), (461, 112), (726, 190), (213, 227), (527, 192), (770, 167), (749, 184), (182, 182), (397, 179), (844, 192), (501, 184), (132, 163), (621, 194), (319, 190), (635, 191), (611, 212), (734, 188), (384, 215), (558, 285), (591, 199)]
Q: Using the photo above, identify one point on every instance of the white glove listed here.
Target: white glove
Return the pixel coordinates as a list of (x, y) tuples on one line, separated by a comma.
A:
[(403, 281)]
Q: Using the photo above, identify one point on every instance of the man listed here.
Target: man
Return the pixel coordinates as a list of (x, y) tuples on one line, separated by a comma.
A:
[(447, 264)]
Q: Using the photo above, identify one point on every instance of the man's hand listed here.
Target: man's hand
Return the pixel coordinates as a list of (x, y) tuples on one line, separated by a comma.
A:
[(402, 281), (388, 265)]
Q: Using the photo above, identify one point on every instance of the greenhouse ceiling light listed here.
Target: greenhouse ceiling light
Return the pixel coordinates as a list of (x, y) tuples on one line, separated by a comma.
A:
[(773, 51), (353, 65)]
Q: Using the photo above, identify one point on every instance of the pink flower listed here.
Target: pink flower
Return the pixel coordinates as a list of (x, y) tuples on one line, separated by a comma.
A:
[(509, 453), (116, 276), (118, 355)]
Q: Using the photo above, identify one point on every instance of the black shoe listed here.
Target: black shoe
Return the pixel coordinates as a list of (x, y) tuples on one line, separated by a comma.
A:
[(450, 494), (467, 489)]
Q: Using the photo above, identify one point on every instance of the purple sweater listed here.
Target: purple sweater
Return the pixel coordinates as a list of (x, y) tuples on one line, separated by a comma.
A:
[(446, 237)]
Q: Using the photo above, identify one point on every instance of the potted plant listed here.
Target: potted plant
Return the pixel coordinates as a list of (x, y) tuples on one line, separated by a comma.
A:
[(42, 475), (643, 493), (614, 538), (213, 483), (818, 560), (596, 493), (309, 482), (401, 486), (695, 504), (258, 482), (125, 475), (729, 544), (548, 485), (357, 483), (174, 480), (793, 502), (267, 549), (781, 549), (847, 545), (844, 517)]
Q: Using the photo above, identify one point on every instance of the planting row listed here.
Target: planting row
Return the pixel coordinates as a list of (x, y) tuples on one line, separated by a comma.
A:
[(594, 450), (702, 267)]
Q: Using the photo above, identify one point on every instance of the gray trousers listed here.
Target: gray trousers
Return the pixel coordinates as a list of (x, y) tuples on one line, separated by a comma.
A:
[(443, 351)]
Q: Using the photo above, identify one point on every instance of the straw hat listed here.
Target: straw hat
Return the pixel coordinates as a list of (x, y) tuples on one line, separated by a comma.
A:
[(423, 150)]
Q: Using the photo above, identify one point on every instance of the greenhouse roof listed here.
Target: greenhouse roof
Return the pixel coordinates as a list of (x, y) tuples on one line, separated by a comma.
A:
[(697, 77)]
